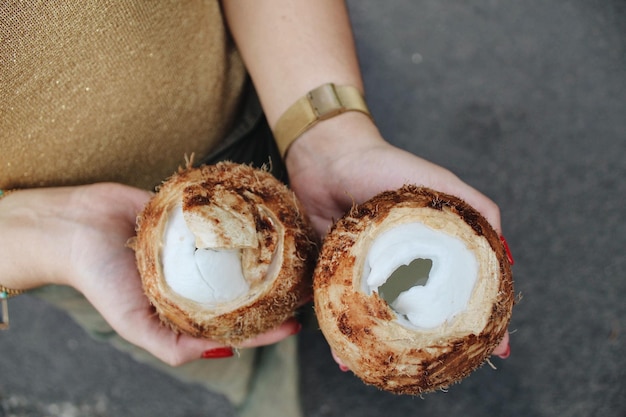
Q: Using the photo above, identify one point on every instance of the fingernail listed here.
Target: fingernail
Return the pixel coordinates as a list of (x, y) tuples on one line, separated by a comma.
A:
[(344, 368), (296, 329), (217, 353), (508, 251), (506, 353)]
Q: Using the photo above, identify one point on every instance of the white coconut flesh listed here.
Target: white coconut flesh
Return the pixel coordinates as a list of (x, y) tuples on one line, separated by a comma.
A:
[(206, 275), (426, 276)]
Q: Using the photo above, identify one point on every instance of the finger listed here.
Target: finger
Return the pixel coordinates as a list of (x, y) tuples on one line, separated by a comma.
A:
[(486, 207), (187, 348), (137, 200), (339, 362), (491, 212), (503, 350), (173, 349), (288, 328)]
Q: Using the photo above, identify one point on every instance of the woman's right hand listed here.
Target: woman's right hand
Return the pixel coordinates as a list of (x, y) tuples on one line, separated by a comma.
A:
[(78, 236)]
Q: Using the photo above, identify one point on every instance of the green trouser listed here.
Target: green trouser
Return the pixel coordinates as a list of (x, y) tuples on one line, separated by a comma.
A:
[(259, 382)]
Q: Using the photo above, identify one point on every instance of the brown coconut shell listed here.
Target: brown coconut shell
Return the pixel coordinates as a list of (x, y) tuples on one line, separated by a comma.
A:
[(230, 205), (363, 330)]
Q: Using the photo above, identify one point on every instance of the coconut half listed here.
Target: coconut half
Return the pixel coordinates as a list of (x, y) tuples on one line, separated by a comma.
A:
[(413, 290), (225, 252)]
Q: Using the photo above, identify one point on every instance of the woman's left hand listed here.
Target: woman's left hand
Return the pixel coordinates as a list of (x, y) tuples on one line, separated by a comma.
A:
[(344, 160)]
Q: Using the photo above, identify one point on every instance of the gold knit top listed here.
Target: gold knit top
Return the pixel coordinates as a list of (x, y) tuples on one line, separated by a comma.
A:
[(112, 90)]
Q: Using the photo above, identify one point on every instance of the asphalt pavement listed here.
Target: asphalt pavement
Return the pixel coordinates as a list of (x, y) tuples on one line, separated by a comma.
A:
[(526, 101)]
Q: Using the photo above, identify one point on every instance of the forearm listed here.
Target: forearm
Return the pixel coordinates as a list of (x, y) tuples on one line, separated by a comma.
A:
[(291, 47)]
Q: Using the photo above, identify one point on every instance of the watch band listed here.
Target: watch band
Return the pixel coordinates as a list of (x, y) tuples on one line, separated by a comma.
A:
[(319, 104)]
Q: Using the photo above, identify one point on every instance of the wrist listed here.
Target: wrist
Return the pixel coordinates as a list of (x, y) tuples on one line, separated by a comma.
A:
[(324, 102), (31, 242), (333, 139)]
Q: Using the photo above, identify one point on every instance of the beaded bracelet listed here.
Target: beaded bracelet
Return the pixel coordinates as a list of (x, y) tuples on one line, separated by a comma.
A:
[(6, 293)]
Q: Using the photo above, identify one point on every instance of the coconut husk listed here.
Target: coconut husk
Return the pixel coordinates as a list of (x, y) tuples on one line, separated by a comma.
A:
[(231, 206), (364, 331)]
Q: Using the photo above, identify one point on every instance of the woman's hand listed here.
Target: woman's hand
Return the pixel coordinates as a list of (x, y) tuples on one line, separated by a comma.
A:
[(78, 236), (344, 160)]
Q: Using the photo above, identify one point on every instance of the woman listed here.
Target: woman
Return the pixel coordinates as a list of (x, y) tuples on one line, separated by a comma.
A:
[(100, 103)]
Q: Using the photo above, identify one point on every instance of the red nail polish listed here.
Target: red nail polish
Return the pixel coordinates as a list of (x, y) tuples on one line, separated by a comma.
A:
[(506, 353), (508, 251), (344, 368), (297, 329), (217, 353)]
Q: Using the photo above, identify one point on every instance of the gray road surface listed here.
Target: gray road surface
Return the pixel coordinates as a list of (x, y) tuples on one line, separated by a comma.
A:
[(524, 100)]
